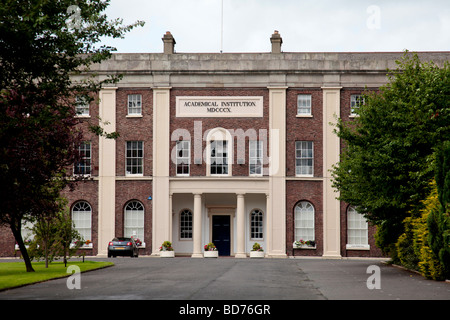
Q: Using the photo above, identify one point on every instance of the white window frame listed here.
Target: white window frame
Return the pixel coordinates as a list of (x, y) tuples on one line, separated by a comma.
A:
[(255, 158), (304, 221), (82, 219), (134, 219), (256, 225), (136, 155), (85, 150), (220, 159), (304, 153), (214, 135), (304, 105), (356, 101), (82, 107), (134, 105), (183, 157), (357, 230), (186, 220)]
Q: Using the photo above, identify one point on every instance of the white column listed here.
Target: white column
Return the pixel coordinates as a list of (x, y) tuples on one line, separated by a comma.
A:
[(331, 150), (161, 211), (267, 230), (170, 218), (240, 226), (276, 211), (197, 227), (107, 172)]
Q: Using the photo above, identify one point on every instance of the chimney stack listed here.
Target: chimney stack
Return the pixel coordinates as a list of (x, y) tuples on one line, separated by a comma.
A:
[(169, 43), (276, 41)]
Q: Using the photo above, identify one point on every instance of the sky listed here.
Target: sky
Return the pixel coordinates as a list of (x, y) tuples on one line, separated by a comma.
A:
[(304, 25)]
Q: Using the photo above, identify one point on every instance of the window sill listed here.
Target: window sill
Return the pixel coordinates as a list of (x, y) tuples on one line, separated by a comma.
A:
[(134, 116), (85, 116), (82, 175), (219, 175), (357, 247), (304, 116), (305, 247)]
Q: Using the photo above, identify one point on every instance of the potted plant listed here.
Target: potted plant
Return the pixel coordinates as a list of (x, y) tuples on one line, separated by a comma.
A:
[(305, 244), (257, 251), (166, 250), (210, 251), (138, 242)]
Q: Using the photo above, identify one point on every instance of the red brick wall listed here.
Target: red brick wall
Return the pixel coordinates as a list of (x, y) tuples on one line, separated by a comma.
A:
[(310, 191), (211, 123), (140, 191), (374, 250), (304, 129), (134, 129), (87, 191), (7, 242)]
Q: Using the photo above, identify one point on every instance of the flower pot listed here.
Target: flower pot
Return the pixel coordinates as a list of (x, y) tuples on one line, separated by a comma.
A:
[(303, 246), (167, 254), (211, 254), (256, 254)]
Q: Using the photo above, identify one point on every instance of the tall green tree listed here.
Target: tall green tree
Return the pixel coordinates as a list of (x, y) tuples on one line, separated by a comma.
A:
[(44, 44), (386, 164)]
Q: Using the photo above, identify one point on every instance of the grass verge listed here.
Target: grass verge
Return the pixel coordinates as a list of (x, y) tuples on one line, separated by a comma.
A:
[(14, 274)]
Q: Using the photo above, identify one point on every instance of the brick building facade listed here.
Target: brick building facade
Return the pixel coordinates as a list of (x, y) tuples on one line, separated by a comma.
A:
[(230, 148)]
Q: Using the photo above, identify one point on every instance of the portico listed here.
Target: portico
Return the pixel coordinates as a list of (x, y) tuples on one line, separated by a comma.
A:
[(232, 213)]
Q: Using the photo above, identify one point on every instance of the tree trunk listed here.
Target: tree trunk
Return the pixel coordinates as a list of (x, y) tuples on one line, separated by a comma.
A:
[(23, 250), (46, 252)]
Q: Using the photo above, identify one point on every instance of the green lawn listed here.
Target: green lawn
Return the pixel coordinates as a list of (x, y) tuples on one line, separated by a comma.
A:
[(13, 274)]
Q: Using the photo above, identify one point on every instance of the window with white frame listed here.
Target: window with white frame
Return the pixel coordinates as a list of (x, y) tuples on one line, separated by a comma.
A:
[(219, 157), (134, 158), (183, 157), (82, 106), (83, 167), (82, 219), (134, 220), (27, 231), (304, 221), (255, 158), (304, 105), (304, 158), (256, 225), (186, 224), (356, 101), (134, 104), (357, 229)]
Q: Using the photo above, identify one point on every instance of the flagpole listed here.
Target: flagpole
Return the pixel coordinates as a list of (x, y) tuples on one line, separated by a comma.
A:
[(221, 30)]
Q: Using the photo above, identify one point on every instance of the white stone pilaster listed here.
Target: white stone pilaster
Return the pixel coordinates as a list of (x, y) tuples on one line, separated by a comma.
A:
[(331, 151), (161, 211), (107, 171), (276, 209)]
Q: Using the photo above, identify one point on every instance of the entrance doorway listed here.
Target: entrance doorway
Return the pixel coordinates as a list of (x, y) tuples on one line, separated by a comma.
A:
[(221, 234)]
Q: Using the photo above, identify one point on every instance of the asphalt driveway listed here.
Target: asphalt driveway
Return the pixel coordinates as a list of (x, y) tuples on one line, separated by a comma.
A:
[(148, 278)]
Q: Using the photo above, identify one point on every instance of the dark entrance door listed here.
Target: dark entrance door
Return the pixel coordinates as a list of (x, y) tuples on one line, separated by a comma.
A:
[(221, 234)]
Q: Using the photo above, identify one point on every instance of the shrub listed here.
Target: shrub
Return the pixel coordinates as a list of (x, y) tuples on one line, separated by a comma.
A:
[(413, 246)]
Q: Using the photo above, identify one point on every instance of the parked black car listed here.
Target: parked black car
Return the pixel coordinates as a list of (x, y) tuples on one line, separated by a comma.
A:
[(122, 247)]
